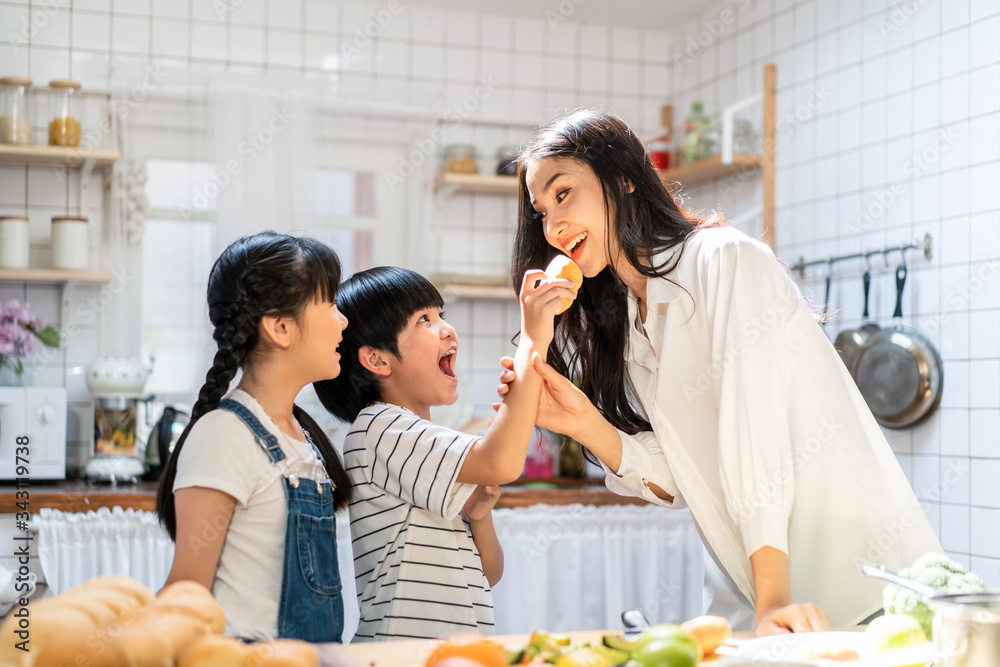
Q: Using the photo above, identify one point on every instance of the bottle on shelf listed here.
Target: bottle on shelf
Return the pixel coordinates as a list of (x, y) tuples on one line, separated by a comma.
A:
[(660, 147), (696, 128)]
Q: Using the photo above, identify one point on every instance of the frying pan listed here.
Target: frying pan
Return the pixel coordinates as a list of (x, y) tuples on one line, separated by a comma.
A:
[(850, 341), (899, 371)]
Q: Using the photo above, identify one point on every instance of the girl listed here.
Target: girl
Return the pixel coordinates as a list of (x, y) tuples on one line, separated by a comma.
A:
[(249, 493), (423, 570), (713, 384)]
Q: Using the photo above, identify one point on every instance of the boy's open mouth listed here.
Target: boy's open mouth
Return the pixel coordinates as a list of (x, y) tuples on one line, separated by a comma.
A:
[(447, 363)]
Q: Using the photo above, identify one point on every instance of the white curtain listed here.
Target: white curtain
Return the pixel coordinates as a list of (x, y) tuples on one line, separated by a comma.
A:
[(577, 567), (263, 132), (75, 547)]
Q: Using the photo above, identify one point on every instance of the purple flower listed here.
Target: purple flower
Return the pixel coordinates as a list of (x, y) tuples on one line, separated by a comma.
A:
[(9, 334), (18, 330)]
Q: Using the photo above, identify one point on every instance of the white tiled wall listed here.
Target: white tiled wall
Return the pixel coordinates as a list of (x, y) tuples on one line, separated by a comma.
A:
[(860, 170), (419, 58)]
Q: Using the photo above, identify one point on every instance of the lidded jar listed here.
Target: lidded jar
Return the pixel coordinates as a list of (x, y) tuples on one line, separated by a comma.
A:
[(64, 128), (14, 242), (15, 127), (70, 243)]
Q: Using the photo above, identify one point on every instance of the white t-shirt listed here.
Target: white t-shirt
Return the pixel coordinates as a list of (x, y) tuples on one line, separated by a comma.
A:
[(760, 429), (417, 568), (221, 453)]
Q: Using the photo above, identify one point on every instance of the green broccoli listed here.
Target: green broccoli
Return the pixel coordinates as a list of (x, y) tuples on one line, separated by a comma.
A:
[(935, 570)]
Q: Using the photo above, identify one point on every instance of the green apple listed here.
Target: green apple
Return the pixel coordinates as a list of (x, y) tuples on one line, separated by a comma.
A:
[(675, 652), (668, 631)]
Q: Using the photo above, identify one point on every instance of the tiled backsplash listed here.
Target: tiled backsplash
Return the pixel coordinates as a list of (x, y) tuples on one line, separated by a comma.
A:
[(888, 129)]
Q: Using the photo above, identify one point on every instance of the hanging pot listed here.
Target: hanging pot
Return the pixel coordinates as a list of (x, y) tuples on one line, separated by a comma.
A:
[(899, 372), (850, 341)]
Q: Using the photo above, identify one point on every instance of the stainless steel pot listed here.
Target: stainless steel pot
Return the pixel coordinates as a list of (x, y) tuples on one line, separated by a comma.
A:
[(899, 371), (966, 625), (850, 342)]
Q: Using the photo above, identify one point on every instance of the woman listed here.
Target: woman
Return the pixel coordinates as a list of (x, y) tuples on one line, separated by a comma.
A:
[(713, 384)]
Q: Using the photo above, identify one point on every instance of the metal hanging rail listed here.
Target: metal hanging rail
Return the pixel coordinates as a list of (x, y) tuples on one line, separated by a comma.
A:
[(916, 244)]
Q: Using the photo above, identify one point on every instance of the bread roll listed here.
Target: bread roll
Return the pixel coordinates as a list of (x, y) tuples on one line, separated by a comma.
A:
[(155, 640), (120, 583), (563, 268), (49, 623), (193, 599), (282, 653), (214, 651)]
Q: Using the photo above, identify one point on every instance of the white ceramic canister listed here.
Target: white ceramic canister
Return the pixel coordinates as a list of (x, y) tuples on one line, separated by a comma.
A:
[(70, 243), (14, 242)]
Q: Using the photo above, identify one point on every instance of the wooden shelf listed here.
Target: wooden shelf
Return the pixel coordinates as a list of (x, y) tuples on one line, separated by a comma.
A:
[(477, 184), (710, 169), (54, 276), (56, 155), (457, 286)]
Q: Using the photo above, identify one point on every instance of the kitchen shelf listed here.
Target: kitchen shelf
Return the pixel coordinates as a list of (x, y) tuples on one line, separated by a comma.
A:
[(457, 286), (710, 169), (476, 184), (54, 276), (67, 156)]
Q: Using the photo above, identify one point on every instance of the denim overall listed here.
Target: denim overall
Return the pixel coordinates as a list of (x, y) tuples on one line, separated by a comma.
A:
[(311, 606)]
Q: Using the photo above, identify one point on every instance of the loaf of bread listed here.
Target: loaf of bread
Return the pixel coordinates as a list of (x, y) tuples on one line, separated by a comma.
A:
[(113, 622), (563, 268), (282, 653), (155, 639), (213, 651)]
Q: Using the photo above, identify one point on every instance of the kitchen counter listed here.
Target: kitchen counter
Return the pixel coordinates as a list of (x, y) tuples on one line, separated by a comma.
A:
[(413, 653), (81, 496)]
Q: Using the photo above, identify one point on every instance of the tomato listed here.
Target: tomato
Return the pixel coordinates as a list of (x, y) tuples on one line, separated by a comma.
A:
[(473, 648)]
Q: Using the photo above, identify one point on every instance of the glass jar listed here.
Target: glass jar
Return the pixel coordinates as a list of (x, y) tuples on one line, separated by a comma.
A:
[(14, 240), (15, 127), (70, 243), (460, 159), (507, 161), (64, 128)]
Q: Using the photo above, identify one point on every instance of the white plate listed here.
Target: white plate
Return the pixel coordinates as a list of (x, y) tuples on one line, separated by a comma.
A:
[(796, 647)]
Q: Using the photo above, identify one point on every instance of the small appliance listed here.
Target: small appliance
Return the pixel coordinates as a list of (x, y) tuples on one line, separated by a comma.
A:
[(38, 413), (120, 424)]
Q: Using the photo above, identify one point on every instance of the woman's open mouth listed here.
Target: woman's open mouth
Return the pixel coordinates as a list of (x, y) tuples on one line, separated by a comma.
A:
[(447, 363), (575, 247)]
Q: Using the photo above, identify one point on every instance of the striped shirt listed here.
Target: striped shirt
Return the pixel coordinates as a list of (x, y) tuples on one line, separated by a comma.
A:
[(417, 568)]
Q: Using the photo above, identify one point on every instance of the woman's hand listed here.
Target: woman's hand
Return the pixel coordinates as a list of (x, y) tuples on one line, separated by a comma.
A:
[(793, 618), (481, 502), (561, 405), (539, 305)]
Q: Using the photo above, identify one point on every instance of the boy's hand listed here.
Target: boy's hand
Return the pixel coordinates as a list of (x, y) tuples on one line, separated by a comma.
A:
[(539, 305), (561, 404), (481, 502)]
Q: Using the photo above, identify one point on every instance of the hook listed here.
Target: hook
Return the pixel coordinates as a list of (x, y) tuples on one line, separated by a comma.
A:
[(885, 258)]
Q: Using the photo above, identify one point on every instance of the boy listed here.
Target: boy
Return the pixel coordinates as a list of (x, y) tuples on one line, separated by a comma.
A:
[(425, 550)]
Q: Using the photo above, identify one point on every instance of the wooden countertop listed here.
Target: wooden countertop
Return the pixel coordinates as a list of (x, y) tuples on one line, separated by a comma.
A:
[(413, 653), (81, 496)]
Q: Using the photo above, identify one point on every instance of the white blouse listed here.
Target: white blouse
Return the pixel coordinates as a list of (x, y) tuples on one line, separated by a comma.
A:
[(760, 429)]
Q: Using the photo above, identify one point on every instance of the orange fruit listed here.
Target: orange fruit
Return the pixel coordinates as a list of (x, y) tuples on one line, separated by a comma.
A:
[(472, 647)]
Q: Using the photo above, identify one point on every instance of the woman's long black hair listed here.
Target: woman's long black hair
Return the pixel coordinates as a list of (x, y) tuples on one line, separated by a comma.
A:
[(378, 303), (591, 337), (264, 274)]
